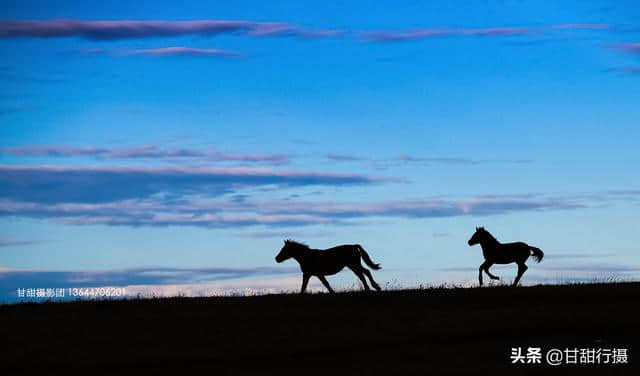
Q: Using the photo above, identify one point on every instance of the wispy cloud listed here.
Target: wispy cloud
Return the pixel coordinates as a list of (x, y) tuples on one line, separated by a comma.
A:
[(397, 36), (86, 184), (390, 36), (586, 270), (343, 157), (136, 29), (410, 158), (407, 159), (181, 51), (423, 208), (149, 151), (577, 255), (583, 26), (603, 268), (627, 70), (626, 193), (9, 242), (633, 48), (492, 31), (429, 33), (400, 160), (14, 279), (203, 220), (190, 211), (216, 197), (163, 51), (286, 234)]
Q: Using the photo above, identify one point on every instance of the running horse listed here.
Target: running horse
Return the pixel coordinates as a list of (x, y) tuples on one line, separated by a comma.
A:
[(321, 263), (503, 253)]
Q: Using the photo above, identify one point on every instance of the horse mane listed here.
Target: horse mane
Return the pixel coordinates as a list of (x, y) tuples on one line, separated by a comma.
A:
[(299, 244), (489, 236)]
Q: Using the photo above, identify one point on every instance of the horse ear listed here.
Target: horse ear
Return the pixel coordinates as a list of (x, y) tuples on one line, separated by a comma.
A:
[(477, 228)]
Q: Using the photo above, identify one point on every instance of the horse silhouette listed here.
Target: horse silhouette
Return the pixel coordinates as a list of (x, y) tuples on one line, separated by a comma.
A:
[(320, 263), (498, 253)]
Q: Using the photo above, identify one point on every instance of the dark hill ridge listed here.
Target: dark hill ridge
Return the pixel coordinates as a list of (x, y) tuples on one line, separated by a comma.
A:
[(429, 331)]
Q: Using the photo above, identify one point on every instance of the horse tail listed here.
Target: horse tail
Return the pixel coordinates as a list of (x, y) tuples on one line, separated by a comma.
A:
[(367, 259), (536, 253)]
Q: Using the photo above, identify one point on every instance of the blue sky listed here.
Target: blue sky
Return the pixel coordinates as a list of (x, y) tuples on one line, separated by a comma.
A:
[(186, 141)]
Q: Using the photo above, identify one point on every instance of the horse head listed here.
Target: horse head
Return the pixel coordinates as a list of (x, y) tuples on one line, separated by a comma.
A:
[(477, 236), (287, 250)]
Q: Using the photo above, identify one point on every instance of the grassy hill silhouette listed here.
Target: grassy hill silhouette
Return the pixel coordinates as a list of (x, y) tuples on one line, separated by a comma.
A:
[(429, 331)]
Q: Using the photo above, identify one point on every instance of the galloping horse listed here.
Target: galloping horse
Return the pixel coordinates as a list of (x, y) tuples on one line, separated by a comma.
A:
[(497, 253), (328, 262)]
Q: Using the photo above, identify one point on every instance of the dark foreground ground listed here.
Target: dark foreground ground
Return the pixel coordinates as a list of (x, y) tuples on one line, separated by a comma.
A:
[(430, 331)]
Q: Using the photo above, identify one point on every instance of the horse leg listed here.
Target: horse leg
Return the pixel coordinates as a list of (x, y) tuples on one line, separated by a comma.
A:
[(358, 271), (373, 283), (521, 269), (486, 270), (325, 283), (482, 266), (305, 280)]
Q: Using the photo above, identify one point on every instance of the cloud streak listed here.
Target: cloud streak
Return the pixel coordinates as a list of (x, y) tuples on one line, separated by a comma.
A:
[(153, 152), (271, 213), (430, 33), (343, 157), (633, 48), (13, 279), (585, 270), (140, 152), (594, 268), (82, 184), (106, 30), (628, 70), (412, 159), (630, 49), (181, 51), (285, 234), (214, 198), (9, 242)]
